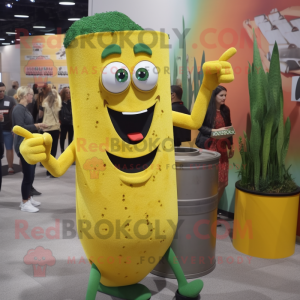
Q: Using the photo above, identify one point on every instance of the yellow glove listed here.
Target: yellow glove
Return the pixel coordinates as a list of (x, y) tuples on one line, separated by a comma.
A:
[(35, 147), (218, 71)]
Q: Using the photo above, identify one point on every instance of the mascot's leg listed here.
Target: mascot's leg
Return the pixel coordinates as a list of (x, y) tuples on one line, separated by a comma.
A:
[(93, 283), (130, 292), (186, 290)]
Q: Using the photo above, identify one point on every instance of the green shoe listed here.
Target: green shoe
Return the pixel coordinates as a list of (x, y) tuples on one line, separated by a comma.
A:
[(190, 291), (129, 292)]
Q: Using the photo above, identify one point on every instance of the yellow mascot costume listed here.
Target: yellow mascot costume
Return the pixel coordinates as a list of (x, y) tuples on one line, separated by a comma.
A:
[(126, 201)]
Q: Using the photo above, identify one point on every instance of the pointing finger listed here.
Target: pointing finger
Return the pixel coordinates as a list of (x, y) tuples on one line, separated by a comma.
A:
[(228, 54), (22, 132)]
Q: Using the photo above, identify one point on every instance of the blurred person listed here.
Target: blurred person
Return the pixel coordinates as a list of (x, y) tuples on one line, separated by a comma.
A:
[(6, 107), (39, 100), (31, 105), (65, 117), (216, 119), (13, 90), (35, 91), (180, 134), (49, 111), (22, 117), (1, 147)]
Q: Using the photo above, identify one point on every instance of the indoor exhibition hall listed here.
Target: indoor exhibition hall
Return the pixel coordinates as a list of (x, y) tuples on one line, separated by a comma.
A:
[(149, 150)]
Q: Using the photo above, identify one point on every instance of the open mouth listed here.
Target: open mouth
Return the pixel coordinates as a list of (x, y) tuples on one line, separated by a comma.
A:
[(132, 127), (132, 165)]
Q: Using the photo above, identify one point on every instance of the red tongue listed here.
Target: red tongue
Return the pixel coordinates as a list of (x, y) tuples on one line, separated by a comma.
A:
[(135, 137)]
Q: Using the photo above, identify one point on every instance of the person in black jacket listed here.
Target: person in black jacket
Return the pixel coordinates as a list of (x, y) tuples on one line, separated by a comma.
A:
[(217, 117), (180, 134), (65, 117)]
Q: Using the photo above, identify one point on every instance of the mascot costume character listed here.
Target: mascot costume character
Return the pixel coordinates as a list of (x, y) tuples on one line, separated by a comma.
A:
[(126, 195)]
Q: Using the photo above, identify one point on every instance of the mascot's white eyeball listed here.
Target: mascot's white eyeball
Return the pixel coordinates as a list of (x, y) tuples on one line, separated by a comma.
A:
[(145, 75), (116, 77)]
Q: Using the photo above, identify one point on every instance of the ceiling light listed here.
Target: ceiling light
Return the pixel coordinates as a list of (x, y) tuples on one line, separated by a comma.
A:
[(18, 40), (9, 5), (21, 16), (39, 26), (49, 33), (9, 32), (2, 39), (12, 42), (73, 19), (32, 0), (67, 3), (5, 43)]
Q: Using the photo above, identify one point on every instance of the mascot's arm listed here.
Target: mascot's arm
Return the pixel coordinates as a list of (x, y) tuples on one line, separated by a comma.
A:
[(36, 148), (58, 167), (215, 72)]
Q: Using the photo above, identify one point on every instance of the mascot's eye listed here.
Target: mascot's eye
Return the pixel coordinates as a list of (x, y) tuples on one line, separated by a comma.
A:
[(145, 76), (121, 75), (116, 77), (142, 74)]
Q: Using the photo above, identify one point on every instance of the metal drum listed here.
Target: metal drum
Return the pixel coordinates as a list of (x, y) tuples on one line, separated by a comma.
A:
[(194, 243)]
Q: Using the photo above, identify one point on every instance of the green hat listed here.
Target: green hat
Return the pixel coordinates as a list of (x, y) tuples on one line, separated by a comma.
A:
[(104, 22)]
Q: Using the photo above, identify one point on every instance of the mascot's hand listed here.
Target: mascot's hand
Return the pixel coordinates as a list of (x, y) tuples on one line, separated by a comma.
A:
[(35, 147), (218, 71)]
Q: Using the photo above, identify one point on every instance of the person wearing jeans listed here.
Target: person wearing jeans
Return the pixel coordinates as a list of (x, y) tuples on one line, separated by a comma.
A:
[(49, 110), (22, 117)]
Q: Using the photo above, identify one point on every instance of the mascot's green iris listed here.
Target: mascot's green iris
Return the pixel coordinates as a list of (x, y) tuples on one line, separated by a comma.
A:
[(142, 74), (121, 75)]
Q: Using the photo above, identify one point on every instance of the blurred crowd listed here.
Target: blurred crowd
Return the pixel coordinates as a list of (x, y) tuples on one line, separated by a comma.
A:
[(37, 109), (44, 109)]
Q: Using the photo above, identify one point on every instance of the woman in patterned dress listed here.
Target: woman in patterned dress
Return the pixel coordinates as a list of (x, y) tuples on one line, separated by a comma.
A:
[(217, 117)]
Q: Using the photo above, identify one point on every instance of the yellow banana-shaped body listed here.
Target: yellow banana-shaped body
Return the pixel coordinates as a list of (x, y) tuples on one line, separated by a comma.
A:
[(126, 221)]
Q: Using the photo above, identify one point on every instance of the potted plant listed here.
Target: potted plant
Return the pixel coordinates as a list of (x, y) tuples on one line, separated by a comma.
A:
[(266, 199)]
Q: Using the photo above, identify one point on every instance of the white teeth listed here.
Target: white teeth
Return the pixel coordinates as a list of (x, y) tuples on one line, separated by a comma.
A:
[(135, 112)]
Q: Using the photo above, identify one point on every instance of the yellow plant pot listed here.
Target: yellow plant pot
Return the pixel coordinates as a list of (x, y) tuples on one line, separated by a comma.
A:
[(298, 228), (264, 224)]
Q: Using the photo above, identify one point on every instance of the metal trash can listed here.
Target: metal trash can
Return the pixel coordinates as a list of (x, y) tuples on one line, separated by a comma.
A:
[(194, 243)]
